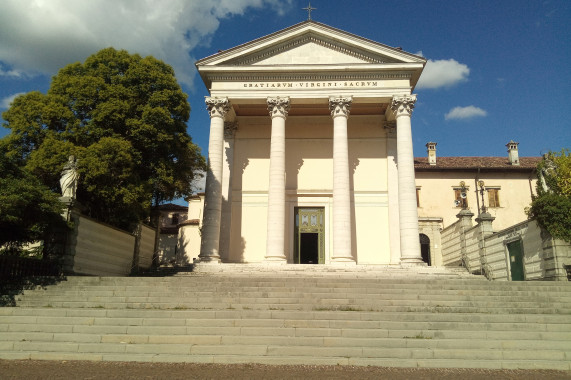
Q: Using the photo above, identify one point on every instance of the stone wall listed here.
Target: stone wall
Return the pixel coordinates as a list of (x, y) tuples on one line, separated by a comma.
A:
[(147, 247), (452, 245), (471, 254), (94, 248), (486, 252)]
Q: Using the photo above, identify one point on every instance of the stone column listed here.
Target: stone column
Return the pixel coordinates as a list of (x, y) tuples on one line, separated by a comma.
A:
[(341, 230), (275, 243), (209, 246), (485, 229), (465, 217), (408, 214)]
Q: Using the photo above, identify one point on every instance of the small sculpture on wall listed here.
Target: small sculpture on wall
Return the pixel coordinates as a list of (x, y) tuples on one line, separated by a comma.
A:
[(69, 178), (547, 170)]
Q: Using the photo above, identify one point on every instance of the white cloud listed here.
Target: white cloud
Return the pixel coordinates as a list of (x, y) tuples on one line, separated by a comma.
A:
[(11, 73), (463, 113), (45, 35), (7, 101), (442, 73)]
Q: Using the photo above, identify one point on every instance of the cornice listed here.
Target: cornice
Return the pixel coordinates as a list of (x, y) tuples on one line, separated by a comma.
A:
[(305, 77), (308, 38)]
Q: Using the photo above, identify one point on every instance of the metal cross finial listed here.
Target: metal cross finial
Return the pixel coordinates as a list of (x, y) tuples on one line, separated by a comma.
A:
[(309, 8)]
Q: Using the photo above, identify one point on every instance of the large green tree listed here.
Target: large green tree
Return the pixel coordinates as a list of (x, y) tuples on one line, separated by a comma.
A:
[(552, 206), (124, 118), (29, 211)]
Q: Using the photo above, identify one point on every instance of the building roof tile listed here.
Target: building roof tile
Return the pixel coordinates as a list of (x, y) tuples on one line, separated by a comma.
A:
[(471, 163)]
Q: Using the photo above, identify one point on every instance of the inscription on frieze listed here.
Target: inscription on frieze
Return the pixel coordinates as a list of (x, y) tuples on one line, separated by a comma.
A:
[(320, 84)]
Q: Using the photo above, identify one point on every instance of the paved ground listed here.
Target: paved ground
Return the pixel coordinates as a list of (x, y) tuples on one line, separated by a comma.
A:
[(36, 369)]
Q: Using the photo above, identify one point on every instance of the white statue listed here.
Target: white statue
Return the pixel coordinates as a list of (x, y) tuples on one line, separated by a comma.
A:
[(547, 170), (69, 178)]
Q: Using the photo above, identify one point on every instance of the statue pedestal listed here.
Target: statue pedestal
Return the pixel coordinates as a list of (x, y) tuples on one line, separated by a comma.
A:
[(68, 201), (70, 204)]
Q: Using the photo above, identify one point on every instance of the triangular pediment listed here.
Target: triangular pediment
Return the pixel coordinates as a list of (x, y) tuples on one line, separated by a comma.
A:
[(310, 49), (310, 43)]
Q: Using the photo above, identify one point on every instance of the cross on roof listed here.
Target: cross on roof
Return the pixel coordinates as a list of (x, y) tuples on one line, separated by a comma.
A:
[(309, 8)]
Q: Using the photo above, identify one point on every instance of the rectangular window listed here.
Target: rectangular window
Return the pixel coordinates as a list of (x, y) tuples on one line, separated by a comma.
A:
[(174, 219), (461, 200), (418, 197), (493, 197)]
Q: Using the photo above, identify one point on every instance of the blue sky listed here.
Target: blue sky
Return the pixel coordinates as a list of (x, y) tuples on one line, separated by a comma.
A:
[(498, 70)]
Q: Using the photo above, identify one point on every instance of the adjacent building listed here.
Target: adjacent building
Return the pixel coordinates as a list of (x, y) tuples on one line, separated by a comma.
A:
[(501, 186)]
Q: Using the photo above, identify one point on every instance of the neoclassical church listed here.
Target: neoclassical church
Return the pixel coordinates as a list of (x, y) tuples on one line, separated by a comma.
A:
[(310, 152)]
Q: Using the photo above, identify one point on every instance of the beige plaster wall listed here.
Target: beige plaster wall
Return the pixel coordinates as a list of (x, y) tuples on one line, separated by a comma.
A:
[(309, 182), (437, 195), (188, 244)]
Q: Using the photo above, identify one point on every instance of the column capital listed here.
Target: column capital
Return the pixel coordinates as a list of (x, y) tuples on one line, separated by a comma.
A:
[(230, 128), (340, 106), (278, 106), (217, 107), (403, 104)]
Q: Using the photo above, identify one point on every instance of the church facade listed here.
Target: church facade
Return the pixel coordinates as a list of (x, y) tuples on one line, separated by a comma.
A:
[(310, 151)]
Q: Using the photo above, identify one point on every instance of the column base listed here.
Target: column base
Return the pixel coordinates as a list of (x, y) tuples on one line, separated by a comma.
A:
[(406, 263), (343, 261), (275, 261), (208, 260)]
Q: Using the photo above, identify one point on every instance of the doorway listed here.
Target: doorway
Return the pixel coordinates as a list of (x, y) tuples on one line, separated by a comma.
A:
[(309, 239), (515, 253), (425, 249)]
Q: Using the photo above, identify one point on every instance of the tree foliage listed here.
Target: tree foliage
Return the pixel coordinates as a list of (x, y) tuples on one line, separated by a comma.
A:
[(552, 207), (29, 211), (124, 118)]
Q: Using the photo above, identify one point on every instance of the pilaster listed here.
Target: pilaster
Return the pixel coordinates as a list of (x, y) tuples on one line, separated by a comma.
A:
[(230, 128), (393, 191)]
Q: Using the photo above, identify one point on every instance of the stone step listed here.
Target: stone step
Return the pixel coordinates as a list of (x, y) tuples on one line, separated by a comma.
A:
[(129, 296), (295, 360), (340, 304), (268, 354), (297, 307), (333, 285), (220, 340), (278, 278), (31, 315), (295, 318), (289, 291), (359, 329), (322, 287)]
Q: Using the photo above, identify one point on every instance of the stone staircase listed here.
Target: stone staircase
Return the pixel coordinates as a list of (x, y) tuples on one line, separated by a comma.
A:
[(331, 315)]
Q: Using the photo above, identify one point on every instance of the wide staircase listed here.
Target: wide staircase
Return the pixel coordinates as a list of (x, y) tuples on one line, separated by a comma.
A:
[(391, 317)]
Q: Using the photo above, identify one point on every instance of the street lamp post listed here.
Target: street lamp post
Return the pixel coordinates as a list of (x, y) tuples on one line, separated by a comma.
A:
[(481, 185)]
